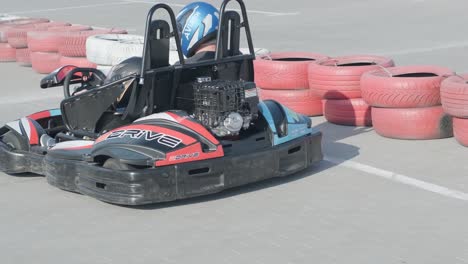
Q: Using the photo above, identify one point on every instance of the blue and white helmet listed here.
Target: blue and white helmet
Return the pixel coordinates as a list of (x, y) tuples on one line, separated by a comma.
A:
[(197, 22)]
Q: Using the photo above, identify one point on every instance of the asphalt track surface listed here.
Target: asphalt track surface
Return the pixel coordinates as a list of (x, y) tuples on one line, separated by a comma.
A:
[(373, 200)]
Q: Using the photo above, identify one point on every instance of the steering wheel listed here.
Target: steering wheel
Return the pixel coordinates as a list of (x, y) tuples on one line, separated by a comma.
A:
[(89, 78)]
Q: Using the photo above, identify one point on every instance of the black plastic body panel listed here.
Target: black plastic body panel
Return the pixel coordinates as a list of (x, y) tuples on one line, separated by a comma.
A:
[(14, 162), (184, 180)]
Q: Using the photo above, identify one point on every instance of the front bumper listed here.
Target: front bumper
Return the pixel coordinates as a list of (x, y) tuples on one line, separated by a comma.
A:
[(184, 180), (14, 162)]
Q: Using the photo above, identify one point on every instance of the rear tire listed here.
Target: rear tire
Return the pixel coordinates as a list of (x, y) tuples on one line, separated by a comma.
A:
[(13, 141), (114, 164)]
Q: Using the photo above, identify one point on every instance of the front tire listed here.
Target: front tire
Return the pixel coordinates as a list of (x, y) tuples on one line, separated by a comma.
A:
[(115, 164), (14, 141)]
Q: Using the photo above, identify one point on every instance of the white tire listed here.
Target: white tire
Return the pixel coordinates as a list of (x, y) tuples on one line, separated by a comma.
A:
[(7, 17), (104, 68), (258, 51), (172, 44), (111, 49)]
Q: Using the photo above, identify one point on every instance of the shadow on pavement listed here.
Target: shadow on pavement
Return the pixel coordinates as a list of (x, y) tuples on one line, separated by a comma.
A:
[(348, 152), (331, 134)]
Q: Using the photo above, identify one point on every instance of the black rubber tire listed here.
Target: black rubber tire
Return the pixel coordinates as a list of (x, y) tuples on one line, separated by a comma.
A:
[(114, 164), (13, 141)]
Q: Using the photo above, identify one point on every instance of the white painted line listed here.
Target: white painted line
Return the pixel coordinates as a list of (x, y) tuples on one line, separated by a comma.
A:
[(248, 10), (427, 186), (70, 8)]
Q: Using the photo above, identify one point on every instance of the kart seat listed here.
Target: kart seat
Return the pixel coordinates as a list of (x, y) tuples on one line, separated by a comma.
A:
[(167, 87)]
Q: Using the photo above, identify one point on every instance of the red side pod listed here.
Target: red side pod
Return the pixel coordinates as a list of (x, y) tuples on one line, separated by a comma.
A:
[(159, 137), (32, 129), (45, 114), (186, 140), (40, 115), (34, 136)]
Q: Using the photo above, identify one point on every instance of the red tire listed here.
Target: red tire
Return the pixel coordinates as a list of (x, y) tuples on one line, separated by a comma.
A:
[(49, 41), (81, 62), (339, 78), (23, 57), (72, 28), (412, 123), (404, 87), (45, 62), (460, 130), (284, 70), (349, 112), (5, 27), (300, 101), (17, 37), (7, 53), (73, 44), (8, 20), (454, 95)]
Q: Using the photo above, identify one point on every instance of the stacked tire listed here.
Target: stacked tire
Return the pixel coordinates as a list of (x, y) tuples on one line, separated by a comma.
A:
[(7, 53), (22, 54), (17, 38), (454, 97), (406, 102), (283, 77), (107, 50), (7, 17), (72, 47), (44, 46), (337, 82)]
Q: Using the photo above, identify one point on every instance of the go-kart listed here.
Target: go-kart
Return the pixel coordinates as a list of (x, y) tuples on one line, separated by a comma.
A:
[(167, 133)]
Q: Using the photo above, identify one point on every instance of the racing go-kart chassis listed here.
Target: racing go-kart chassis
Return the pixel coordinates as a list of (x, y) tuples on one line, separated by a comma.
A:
[(167, 133)]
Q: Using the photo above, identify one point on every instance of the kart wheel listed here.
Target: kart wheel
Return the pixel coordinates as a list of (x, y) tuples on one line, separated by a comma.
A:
[(13, 141), (339, 78), (412, 123), (404, 87), (351, 112), (284, 70), (454, 96), (114, 164), (73, 44)]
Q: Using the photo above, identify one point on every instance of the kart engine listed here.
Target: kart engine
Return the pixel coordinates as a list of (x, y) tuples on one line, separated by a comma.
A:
[(225, 107)]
